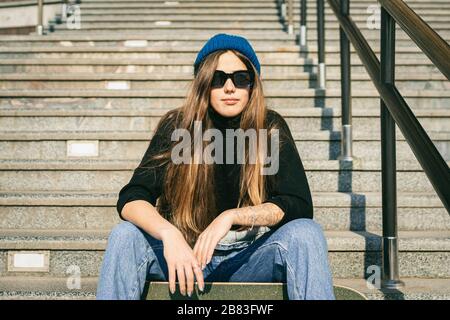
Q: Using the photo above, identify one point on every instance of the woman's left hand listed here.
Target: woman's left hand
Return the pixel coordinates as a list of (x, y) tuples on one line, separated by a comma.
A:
[(210, 237)]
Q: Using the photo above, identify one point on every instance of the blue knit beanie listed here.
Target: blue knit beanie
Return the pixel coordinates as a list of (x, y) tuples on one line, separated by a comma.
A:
[(228, 41)]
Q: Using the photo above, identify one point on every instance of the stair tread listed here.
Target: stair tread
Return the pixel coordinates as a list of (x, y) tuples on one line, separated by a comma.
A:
[(114, 164), (175, 93), (200, 36), (337, 240), (320, 199), (69, 110), (195, 17), (323, 135), (117, 49), (299, 61), (114, 36), (79, 76)]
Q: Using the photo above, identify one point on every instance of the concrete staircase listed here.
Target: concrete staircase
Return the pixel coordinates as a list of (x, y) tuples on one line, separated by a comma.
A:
[(108, 83)]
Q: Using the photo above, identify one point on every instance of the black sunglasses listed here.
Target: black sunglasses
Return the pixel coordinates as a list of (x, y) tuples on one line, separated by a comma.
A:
[(241, 79)]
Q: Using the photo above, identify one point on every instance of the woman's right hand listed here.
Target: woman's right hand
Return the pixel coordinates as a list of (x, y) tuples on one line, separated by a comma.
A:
[(181, 262)]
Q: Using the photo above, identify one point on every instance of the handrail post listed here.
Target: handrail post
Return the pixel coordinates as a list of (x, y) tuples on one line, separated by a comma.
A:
[(40, 25), (303, 24), (321, 80), (346, 96), (290, 13), (64, 11), (282, 8), (390, 273)]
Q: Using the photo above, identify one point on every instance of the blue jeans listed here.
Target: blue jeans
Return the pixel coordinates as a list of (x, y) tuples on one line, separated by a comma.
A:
[(295, 254)]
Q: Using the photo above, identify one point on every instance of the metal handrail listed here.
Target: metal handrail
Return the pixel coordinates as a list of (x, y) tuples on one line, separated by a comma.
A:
[(422, 146), (421, 33), (394, 109)]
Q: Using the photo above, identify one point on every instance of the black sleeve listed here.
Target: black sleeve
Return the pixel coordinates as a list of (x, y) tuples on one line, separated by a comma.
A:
[(147, 181), (290, 189)]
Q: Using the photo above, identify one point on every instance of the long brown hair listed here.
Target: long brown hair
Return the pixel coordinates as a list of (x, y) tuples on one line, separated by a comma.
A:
[(187, 198)]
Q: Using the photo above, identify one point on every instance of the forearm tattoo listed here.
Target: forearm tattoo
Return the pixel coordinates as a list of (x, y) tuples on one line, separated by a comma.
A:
[(266, 214)]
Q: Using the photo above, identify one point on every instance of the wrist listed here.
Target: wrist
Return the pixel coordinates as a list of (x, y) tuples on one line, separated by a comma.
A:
[(230, 214), (168, 232)]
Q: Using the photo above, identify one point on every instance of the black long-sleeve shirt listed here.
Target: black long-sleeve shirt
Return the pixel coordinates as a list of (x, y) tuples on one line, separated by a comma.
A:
[(290, 190)]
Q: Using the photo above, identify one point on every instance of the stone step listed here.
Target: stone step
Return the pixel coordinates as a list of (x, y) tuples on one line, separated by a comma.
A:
[(187, 25), (355, 11), (186, 53), (299, 61), (239, 4), (322, 145), (177, 53), (425, 99), (256, 16), (321, 199), (94, 175), (185, 47), (164, 40), (308, 61), (56, 288), (99, 165), (45, 288), (331, 38), (219, 25), (298, 120), (177, 78), (262, 14), (138, 81), (138, 43), (204, 35), (186, 65), (334, 211), (19, 288), (274, 24), (161, 32), (421, 254)]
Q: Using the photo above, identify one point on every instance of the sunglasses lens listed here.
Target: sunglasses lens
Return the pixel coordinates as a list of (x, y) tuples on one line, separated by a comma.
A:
[(242, 79), (218, 79)]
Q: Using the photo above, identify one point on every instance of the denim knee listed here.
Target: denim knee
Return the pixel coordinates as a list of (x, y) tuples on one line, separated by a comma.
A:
[(301, 232), (124, 233)]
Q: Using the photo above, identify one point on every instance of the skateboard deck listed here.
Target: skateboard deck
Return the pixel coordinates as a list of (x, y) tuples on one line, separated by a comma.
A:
[(238, 291)]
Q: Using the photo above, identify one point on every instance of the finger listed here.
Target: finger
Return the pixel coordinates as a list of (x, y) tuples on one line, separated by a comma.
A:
[(199, 276), (189, 278), (181, 279), (204, 252), (210, 250), (200, 249), (172, 278), (195, 251)]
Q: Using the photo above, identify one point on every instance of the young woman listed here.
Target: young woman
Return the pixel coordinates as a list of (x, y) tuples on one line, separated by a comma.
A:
[(222, 220)]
